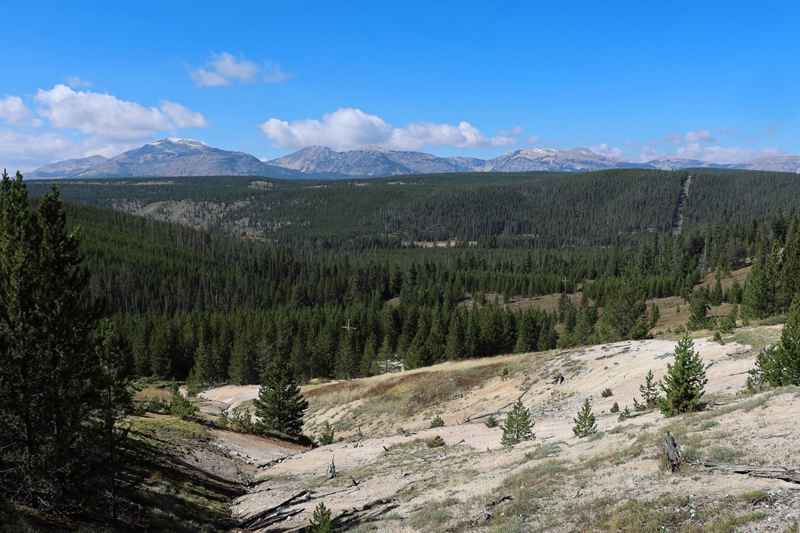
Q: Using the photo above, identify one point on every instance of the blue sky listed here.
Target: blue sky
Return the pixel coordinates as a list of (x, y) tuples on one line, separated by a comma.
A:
[(712, 80)]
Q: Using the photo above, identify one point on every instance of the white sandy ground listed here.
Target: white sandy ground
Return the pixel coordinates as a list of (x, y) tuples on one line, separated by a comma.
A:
[(473, 468)]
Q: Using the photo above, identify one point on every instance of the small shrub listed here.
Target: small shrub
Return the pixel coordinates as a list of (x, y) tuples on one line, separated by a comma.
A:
[(624, 414), (685, 381), (435, 442), (437, 422), (607, 393), (585, 422), (649, 390), (518, 425), (180, 406), (615, 408), (321, 521), (327, 435), (491, 422), (239, 419)]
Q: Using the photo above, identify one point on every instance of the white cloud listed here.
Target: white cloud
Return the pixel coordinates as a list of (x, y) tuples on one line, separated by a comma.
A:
[(77, 83), (699, 136), (225, 68), (206, 78), (14, 110), (348, 128), (183, 117), (109, 117), (720, 154), (610, 152)]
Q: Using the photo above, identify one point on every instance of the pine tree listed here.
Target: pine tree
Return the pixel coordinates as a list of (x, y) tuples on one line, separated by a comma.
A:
[(780, 364), (698, 311), (116, 399), (455, 338), (321, 521), (385, 354), (685, 381), (280, 405), (655, 315), (585, 422), (649, 390), (518, 425), (242, 365), (50, 375), (755, 299)]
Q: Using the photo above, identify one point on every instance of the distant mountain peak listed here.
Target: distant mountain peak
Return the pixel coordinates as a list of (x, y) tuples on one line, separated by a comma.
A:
[(168, 157), (176, 156)]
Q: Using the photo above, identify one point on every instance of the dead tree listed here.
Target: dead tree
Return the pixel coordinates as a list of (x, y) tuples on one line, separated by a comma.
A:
[(672, 453), (331, 469)]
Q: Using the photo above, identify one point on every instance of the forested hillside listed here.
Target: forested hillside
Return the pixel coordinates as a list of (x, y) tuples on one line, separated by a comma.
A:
[(200, 305)]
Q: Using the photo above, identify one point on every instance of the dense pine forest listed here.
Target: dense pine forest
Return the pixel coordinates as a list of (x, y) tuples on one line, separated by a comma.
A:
[(95, 296), (337, 287)]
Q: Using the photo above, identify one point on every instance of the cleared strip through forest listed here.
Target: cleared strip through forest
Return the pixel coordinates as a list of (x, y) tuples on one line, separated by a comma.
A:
[(677, 219)]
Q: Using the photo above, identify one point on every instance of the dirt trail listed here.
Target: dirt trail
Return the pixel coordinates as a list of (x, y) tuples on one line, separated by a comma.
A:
[(683, 199)]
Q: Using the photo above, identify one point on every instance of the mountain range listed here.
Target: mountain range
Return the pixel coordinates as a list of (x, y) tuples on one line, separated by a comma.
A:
[(174, 157)]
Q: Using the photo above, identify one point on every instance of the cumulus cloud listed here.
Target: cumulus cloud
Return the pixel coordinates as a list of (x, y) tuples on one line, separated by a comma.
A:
[(610, 152), (348, 128), (14, 110), (107, 116), (225, 68), (183, 117), (23, 151)]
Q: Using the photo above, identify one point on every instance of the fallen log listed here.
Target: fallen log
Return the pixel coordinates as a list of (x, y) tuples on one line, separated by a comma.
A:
[(791, 475), (274, 514)]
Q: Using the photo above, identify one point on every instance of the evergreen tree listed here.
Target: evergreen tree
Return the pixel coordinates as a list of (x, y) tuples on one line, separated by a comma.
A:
[(321, 521), (50, 375), (242, 369), (116, 400), (455, 338), (585, 422), (385, 354), (369, 359), (756, 298), (780, 364), (698, 311), (685, 381), (655, 315), (280, 405), (518, 425), (649, 390)]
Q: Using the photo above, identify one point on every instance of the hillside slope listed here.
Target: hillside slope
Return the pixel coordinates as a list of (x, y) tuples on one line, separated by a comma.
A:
[(389, 479)]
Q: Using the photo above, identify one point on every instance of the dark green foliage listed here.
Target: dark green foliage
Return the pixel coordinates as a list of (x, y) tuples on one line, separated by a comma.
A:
[(780, 364), (518, 425), (63, 384), (491, 422), (649, 390), (607, 393), (321, 521), (615, 408), (437, 422), (280, 405), (181, 406), (585, 421), (685, 381), (698, 310), (327, 434)]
